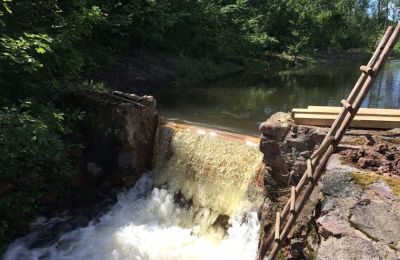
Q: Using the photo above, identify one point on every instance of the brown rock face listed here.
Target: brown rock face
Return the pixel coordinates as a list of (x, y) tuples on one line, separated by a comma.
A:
[(380, 157), (287, 146), (119, 130)]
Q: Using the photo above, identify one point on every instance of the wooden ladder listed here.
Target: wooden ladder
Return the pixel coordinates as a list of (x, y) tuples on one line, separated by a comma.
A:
[(317, 163)]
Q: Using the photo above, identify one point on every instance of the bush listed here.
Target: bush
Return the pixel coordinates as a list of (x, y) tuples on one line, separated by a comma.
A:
[(33, 162)]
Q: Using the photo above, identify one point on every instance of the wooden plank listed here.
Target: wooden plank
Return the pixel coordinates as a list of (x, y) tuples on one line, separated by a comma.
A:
[(361, 111), (336, 110), (370, 122)]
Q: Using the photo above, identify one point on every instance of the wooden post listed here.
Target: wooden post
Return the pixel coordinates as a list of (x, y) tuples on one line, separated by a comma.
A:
[(293, 200), (277, 227), (309, 170)]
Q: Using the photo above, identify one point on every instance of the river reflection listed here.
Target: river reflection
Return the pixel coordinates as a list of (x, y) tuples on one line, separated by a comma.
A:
[(242, 101)]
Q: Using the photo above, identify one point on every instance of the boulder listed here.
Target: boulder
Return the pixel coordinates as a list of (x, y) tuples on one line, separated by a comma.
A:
[(349, 248), (277, 126), (377, 220)]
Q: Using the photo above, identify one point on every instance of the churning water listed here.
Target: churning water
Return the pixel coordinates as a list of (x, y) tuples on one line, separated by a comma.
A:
[(145, 223), (199, 179)]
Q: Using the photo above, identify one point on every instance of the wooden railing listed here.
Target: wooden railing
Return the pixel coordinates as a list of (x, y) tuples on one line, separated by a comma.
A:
[(317, 163)]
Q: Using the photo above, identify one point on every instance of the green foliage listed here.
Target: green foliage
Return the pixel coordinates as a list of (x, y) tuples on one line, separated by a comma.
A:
[(33, 162), (21, 53)]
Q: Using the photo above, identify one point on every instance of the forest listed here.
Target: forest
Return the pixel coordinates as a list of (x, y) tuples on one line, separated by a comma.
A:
[(50, 48)]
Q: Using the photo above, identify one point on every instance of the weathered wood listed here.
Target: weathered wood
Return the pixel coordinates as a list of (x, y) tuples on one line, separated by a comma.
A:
[(325, 143), (293, 200), (368, 70), (362, 121), (309, 170), (277, 226), (336, 110), (347, 105)]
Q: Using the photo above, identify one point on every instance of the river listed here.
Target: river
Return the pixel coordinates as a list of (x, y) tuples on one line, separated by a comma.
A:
[(240, 102)]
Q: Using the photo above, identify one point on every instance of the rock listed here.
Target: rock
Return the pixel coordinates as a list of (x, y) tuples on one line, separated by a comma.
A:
[(95, 171), (119, 131), (377, 220), (382, 190), (390, 156), (365, 162), (349, 248), (381, 148), (273, 159), (277, 126), (5, 187), (297, 249), (333, 225), (339, 183)]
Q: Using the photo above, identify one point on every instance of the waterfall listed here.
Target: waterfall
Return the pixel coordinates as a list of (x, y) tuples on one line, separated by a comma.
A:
[(212, 169), (195, 204)]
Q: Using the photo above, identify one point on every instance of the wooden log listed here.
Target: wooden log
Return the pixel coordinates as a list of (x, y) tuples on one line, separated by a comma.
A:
[(293, 200), (309, 170), (277, 226)]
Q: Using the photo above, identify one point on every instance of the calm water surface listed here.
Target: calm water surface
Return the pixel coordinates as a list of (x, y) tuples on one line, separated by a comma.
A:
[(241, 102)]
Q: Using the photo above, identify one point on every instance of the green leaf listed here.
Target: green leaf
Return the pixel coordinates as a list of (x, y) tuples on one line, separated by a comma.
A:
[(8, 9), (40, 50)]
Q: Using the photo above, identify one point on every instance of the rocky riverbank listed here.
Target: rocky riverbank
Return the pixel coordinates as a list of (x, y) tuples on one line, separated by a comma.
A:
[(354, 213)]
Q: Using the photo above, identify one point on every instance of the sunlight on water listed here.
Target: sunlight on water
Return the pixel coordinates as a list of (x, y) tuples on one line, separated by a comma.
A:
[(145, 223), (214, 173)]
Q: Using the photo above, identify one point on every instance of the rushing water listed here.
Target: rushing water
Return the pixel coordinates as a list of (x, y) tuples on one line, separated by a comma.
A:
[(198, 208), (241, 102), (145, 223)]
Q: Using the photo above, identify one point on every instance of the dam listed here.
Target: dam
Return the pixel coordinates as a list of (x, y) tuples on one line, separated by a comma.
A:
[(195, 204)]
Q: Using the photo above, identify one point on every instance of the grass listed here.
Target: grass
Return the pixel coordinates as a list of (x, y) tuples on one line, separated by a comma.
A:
[(367, 178)]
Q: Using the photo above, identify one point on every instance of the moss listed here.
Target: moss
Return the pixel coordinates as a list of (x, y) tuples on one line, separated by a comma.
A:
[(394, 140), (356, 141), (280, 256), (392, 246), (367, 178)]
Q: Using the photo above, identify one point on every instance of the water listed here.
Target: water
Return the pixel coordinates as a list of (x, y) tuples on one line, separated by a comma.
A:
[(145, 223), (214, 173), (241, 102)]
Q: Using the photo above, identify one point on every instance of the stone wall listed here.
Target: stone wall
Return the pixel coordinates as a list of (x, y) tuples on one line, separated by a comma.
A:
[(118, 134)]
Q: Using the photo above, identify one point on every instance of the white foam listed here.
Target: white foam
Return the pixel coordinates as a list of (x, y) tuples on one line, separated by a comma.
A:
[(147, 224)]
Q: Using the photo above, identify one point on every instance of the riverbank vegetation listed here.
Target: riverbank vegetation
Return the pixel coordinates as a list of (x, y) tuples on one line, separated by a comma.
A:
[(50, 48)]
